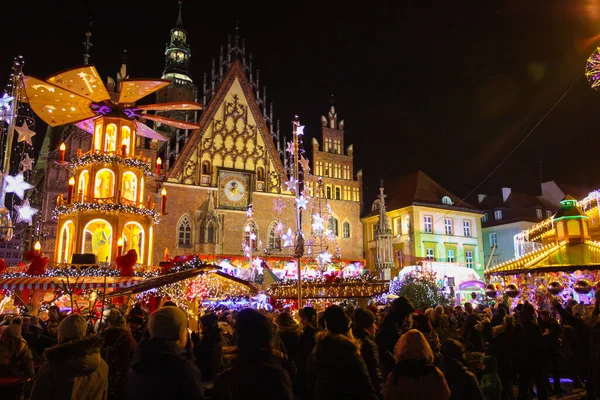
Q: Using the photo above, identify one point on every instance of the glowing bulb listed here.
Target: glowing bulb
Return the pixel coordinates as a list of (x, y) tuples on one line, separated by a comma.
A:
[(62, 147), (37, 246), (120, 242), (158, 161), (163, 192), (72, 181)]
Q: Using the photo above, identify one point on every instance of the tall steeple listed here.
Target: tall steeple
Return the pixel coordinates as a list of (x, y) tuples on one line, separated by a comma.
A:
[(177, 53), (384, 259), (87, 45)]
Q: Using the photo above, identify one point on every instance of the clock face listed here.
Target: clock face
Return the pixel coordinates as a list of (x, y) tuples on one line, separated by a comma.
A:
[(234, 189)]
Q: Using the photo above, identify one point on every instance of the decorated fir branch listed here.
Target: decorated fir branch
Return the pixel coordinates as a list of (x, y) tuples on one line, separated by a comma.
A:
[(95, 158), (110, 207)]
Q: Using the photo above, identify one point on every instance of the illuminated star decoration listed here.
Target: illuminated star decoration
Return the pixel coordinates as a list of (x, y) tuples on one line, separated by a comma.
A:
[(25, 134), (253, 236), (301, 202), (287, 238), (27, 163), (25, 212), (290, 147), (304, 163), (279, 228), (317, 224), (249, 212), (17, 185), (278, 205), (291, 184), (324, 258), (300, 130)]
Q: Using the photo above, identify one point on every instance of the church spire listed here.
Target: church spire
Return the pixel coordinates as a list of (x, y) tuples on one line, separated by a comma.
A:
[(87, 45), (177, 53)]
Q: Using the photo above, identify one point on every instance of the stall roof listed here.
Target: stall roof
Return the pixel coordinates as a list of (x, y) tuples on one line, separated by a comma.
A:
[(88, 282), (567, 257)]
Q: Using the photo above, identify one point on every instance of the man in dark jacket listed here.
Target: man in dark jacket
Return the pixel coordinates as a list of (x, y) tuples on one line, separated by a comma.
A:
[(74, 368), (306, 344), (390, 331), (550, 336), (256, 372), (530, 355), (363, 330), (462, 383), (339, 369), (471, 335), (117, 350), (160, 369)]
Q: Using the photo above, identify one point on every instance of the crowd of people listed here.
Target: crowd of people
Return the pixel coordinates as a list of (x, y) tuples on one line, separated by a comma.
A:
[(398, 352)]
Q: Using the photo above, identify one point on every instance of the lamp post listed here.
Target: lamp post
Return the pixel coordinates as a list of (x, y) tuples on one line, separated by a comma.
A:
[(299, 245)]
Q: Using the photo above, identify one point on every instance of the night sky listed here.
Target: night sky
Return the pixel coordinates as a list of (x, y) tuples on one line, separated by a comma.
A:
[(446, 87)]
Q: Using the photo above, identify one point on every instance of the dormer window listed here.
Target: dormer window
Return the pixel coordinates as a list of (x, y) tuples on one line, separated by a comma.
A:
[(180, 35)]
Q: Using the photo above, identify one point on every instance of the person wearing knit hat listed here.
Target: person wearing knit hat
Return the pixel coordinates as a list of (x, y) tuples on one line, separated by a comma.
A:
[(161, 359), (74, 367), (363, 330), (135, 321), (336, 358)]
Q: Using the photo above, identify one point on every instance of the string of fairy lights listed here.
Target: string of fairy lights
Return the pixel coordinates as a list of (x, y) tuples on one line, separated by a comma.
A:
[(94, 158)]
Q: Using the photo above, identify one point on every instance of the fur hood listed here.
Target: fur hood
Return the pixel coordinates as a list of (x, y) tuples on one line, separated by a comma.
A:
[(81, 356), (332, 345)]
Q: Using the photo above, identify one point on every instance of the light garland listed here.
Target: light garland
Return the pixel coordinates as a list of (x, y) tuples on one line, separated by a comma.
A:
[(322, 288), (110, 159), (111, 207)]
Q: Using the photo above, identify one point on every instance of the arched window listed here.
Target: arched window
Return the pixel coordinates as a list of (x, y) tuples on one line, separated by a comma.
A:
[(97, 239), (329, 192), (84, 178), (333, 226), (133, 235), (185, 232), (205, 167), (202, 232), (104, 187), (260, 174), (125, 139), (337, 193), (274, 239), (98, 137), (110, 139), (129, 186), (251, 235), (346, 228), (210, 233)]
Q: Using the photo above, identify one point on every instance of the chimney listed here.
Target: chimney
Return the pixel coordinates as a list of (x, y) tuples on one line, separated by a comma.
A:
[(481, 197), (505, 194)]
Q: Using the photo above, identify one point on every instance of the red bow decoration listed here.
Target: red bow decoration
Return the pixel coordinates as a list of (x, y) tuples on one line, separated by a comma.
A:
[(126, 262)]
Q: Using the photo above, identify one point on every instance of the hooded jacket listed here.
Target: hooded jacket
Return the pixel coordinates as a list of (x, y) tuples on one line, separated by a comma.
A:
[(73, 370), (339, 370), (161, 370), (415, 376)]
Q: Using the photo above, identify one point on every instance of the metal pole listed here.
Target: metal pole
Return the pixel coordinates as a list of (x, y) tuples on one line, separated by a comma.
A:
[(299, 240)]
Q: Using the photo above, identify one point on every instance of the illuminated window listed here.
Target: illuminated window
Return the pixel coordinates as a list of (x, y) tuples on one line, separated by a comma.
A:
[(133, 235), (126, 139), (450, 255), (110, 139), (428, 223), (467, 227), (538, 213), (498, 215), (104, 185), (346, 229), (469, 258), (328, 192), (184, 232), (98, 137), (97, 239), (333, 226), (274, 239), (493, 239), (338, 193), (429, 253), (548, 213), (129, 187), (448, 225)]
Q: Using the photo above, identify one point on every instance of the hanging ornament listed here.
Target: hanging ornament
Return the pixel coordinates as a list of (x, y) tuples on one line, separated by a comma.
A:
[(490, 291), (512, 290), (249, 212), (301, 202), (582, 286), (5, 101), (555, 288), (324, 258), (278, 205), (27, 163), (17, 185), (25, 134), (25, 212), (304, 163), (291, 184), (287, 238), (317, 224)]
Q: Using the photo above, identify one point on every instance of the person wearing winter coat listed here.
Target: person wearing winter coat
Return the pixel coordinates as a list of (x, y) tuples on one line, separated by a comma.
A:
[(160, 368), (363, 330), (289, 334), (551, 340), (423, 325), (471, 335), (256, 372), (336, 363), (529, 354), (491, 386), (16, 360), (208, 347), (390, 331), (462, 383), (502, 348), (306, 343), (74, 368), (415, 377), (118, 350)]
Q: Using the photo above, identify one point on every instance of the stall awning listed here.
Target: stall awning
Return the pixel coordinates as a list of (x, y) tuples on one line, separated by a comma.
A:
[(46, 283)]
